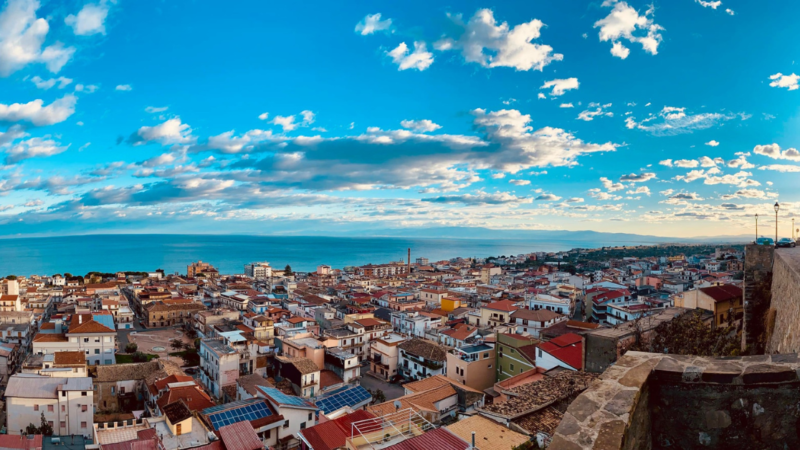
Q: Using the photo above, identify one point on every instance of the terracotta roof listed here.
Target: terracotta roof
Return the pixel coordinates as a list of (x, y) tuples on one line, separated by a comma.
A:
[(296, 320), (531, 397), (193, 396), (69, 358), (333, 434), (50, 337), (422, 401), (85, 323), (48, 326), (460, 331), (368, 322), (723, 293), (583, 325), (328, 378), (439, 439), (489, 435), (502, 305), (542, 421), (162, 383), (538, 315), (425, 349), (304, 365), (21, 442), (240, 436)]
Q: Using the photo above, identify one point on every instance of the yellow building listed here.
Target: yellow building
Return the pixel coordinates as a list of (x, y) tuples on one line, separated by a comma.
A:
[(449, 304)]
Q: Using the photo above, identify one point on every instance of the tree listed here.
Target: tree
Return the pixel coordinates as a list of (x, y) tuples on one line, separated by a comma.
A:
[(45, 428), (380, 397), (31, 429), (287, 270), (176, 344), (131, 347), (11, 277), (139, 357)]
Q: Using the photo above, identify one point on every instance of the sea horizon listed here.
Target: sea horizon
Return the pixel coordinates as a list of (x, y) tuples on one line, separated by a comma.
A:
[(80, 254)]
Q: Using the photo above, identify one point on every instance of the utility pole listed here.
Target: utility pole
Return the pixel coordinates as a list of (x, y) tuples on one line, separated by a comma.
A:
[(777, 207), (756, 229)]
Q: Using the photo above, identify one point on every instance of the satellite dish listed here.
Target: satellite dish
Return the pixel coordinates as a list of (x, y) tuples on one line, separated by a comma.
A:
[(397, 405)]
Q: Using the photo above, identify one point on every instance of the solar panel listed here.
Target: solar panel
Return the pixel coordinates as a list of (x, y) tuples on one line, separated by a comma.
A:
[(230, 413), (338, 399)]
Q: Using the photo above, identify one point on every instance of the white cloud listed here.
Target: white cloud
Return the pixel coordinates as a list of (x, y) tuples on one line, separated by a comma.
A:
[(712, 4), (672, 120), (560, 86), (90, 19), (484, 42), (229, 143), (288, 122), (712, 143), (741, 163), (47, 84), (419, 59), (730, 11), (575, 200), (637, 178), (22, 35), (774, 151), (666, 162), (750, 193), (520, 182), (124, 87), (88, 88), (566, 105), (686, 196), (33, 148), (39, 115), (789, 82), (624, 22), (705, 161), (541, 96), (156, 109), (610, 186), (481, 198), (548, 198), (686, 163), (372, 23), (619, 50), (420, 126), (498, 176), (172, 131), (640, 190), (589, 114), (781, 168), (263, 116)]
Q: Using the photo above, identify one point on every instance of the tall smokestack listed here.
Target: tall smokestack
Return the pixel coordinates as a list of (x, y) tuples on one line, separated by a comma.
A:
[(409, 260)]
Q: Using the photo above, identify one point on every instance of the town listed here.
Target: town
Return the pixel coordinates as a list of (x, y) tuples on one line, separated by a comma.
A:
[(400, 355)]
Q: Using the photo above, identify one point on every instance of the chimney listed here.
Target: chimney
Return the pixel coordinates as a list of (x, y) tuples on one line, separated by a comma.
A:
[(473, 440), (409, 260), (80, 318)]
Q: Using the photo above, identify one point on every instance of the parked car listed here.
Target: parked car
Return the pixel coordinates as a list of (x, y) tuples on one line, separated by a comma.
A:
[(785, 242), (764, 241)]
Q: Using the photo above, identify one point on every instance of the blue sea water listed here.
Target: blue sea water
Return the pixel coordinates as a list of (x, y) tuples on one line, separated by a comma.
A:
[(143, 252)]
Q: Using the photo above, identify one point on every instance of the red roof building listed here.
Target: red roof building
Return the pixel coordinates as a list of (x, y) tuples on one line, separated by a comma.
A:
[(564, 351), (334, 433)]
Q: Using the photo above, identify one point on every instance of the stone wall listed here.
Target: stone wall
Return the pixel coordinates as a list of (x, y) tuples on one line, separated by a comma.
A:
[(784, 337), (655, 401), (757, 273)]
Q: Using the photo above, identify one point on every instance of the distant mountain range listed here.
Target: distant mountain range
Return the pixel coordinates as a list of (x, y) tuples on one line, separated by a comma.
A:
[(537, 235)]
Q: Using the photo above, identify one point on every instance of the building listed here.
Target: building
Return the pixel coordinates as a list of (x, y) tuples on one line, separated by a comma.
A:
[(473, 366), (200, 268), (333, 434), (344, 364), (58, 364), (219, 365), (384, 355), (725, 301), (532, 322), (93, 335), (420, 359), (302, 372), (258, 270), (66, 403), (515, 354), (488, 434), (564, 351), (171, 312), (497, 313)]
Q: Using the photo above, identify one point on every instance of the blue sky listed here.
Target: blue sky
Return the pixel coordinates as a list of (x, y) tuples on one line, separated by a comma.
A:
[(674, 118)]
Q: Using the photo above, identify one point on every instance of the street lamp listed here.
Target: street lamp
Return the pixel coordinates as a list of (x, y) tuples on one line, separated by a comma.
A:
[(756, 229), (777, 207)]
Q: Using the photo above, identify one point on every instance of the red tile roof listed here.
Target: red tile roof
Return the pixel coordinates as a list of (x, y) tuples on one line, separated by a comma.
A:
[(193, 396), (21, 442), (240, 436), (333, 434), (571, 354), (502, 305), (566, 339), (723, 293), (439, 439)]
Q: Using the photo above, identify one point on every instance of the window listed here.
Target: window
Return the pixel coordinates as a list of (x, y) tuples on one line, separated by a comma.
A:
[(86, 340), (83, 424), (302, 425), (490, 366), (97, 351), (511, 366), (63, 393), (540, 352), (309, 416), (485, 355), (50, 408), (83, 394), (63, 424), (267, 433), (84, 408), (108, 362), (97, 339), (63, 408), (50, 422), (113, 390), (35, 407), (286, 424)]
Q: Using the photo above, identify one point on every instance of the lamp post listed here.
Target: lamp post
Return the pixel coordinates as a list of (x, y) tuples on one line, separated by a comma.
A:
[(777, 207), (756, 229)]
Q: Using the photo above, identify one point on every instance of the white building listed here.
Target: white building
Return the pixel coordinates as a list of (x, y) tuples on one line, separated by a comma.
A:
[(560, 305), (258, 270), (65, 402), (97, 340)]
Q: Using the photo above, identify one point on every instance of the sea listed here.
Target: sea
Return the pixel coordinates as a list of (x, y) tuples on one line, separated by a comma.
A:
[(79, 255)]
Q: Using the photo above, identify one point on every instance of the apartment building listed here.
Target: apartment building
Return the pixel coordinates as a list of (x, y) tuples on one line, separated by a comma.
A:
[(384, 355), (532, 322), (472, 366), (515, 354), (85, 333), (219, 364), (258, 270), (198, 268), (497, 313), (420, 359), (66, 403)]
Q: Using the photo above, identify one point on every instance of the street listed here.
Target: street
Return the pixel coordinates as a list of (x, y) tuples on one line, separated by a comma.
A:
[(391, 391)]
